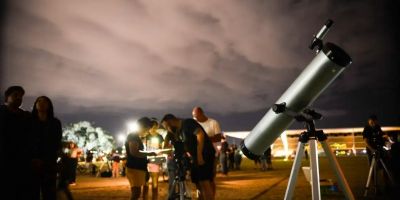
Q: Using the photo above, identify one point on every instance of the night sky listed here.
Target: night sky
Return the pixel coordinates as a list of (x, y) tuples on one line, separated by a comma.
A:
[(109, 62)]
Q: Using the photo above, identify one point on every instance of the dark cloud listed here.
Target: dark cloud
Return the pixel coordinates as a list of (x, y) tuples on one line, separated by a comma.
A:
[(109, 61)]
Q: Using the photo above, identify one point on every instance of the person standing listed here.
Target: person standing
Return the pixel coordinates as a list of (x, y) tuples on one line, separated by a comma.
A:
[(199, 146), (116, 159), (154, 142), (266, 163), (231, 157), (74, 154), (213, 130), (15, 146), (136, 164), (223, 156), (47, 133), (238, 158), (374, 137)]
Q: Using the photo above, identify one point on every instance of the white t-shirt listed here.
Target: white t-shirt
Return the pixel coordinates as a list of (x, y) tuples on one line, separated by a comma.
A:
[(211, 126)]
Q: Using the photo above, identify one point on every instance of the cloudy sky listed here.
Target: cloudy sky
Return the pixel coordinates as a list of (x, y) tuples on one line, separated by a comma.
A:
[(112, 61)]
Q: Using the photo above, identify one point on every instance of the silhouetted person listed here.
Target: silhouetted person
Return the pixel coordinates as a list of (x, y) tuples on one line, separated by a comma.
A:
[(15, 146), (238, 158), (223, 156), (47, 133), (231, 157), (374, 137), (266, 162)]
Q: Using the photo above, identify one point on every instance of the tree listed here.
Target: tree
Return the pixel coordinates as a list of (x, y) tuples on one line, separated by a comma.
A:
[(88, 137)]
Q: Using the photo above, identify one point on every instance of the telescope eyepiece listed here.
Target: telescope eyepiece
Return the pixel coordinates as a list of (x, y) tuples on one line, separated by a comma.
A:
[(279, 107)]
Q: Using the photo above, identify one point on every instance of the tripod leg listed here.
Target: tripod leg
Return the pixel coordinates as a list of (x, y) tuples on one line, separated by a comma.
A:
[(315, 184), (295, 171), (181, 190), (387, 171), (371, 169), (171, 194), (344, 186)]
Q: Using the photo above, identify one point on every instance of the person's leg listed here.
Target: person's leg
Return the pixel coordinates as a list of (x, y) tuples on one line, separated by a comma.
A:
[(48, 182), (171, 176), (34, 182), (135, 193), (73, 170), (206, 190), (213, 185), (154, 185), (136, 178)]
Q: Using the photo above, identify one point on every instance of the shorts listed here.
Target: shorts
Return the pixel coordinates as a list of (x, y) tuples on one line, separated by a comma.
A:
[(203, 172), (136, 177)]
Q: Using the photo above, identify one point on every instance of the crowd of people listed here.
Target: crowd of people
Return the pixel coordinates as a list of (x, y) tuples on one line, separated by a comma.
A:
[(32, 142)]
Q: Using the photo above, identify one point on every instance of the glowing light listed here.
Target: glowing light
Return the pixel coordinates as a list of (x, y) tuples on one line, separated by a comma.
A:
[(132, 126), (121, 138)]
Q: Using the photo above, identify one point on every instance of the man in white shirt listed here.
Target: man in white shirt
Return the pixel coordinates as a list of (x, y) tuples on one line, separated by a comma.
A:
[(213, 130), (211, 126)]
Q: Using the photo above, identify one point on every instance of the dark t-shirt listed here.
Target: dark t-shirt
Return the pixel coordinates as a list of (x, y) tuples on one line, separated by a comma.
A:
[(15, 136), (189, 130), (374, 135), (224, 147), (132, 161), (46, 139)]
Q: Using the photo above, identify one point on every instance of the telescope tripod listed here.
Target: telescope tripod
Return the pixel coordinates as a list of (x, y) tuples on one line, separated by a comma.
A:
[(376, 157), (311, 136), (179, 189)]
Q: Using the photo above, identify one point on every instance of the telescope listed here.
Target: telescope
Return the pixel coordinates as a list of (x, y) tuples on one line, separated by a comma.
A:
[(330, 61)]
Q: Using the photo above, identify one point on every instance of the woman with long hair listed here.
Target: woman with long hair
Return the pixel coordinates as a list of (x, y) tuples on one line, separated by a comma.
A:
[(46, 147)]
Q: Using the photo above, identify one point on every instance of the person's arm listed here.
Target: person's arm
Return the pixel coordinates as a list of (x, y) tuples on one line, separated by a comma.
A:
[(134, 150), (200, 145), (218, 133), (167, 141)]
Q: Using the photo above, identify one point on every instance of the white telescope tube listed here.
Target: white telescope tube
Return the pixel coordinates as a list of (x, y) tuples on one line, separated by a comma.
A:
[(315, 78)]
